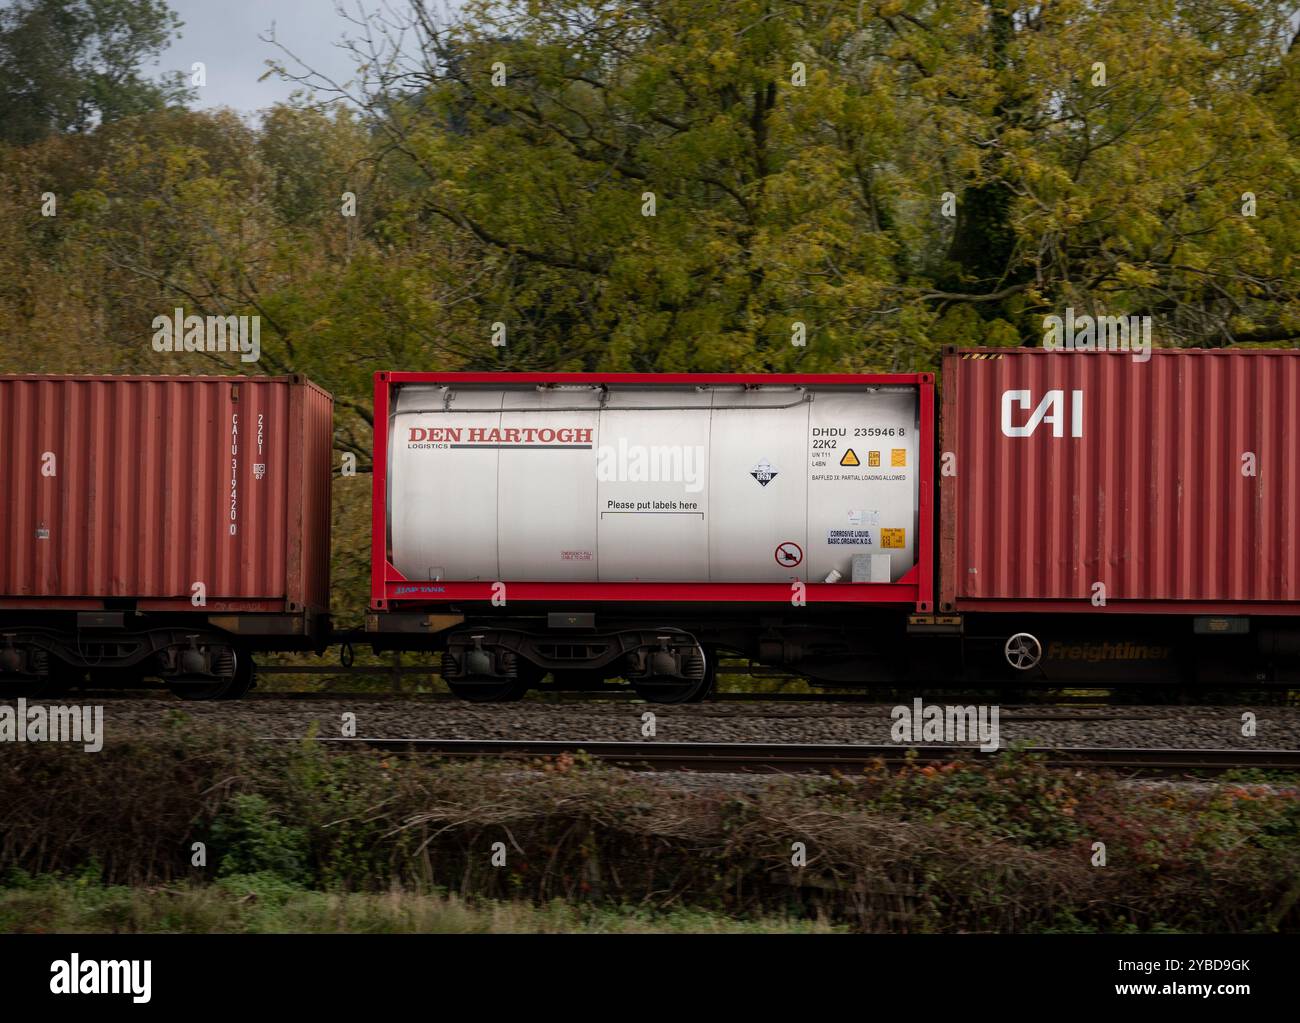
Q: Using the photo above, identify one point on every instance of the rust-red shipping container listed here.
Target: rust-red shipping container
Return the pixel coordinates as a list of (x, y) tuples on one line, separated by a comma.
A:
[(127, 491), (1094, 481)]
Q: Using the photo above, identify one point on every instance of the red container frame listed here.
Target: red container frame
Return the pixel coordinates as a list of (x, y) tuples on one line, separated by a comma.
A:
[(390, 590)]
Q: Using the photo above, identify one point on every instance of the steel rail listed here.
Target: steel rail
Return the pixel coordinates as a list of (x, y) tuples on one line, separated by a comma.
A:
[(785, 757)]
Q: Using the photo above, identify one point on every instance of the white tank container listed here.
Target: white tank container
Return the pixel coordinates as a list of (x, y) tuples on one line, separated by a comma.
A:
[(664, 483)]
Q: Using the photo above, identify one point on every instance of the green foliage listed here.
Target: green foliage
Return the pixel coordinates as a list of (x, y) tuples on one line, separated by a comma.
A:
[(820, 200), (249, 839), (67, 65), (799, 161), (1011, 799)]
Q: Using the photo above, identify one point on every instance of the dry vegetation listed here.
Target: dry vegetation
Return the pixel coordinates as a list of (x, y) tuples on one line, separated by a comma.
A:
[(1004, 848)]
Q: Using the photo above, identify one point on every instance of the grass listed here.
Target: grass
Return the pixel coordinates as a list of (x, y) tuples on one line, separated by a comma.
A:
[(265, 904)]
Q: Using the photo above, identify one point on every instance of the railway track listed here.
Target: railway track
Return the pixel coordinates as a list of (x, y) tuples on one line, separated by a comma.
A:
[(816, 757), (1046, 700), (591, 697), (1076, 694)]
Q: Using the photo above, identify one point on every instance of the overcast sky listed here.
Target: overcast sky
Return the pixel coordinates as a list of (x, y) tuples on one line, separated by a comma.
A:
[(223, 34)]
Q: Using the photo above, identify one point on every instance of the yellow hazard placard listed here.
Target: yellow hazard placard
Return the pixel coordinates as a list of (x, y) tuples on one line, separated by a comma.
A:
[(849, 458), (898, 457), (893, 538), (873, 459)]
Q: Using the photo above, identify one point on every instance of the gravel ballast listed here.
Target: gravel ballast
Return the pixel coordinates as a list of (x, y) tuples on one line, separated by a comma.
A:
[(760, 722)]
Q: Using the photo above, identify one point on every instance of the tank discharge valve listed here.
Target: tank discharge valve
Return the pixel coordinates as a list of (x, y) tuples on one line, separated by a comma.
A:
[(1023, 651)]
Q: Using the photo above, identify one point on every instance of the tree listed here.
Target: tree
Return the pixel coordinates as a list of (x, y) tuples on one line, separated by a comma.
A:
[(67, 65), (1099, 155)]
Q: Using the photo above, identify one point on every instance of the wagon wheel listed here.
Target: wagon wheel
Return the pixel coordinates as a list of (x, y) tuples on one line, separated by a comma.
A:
[(710, 676), (231, 688), (59, 679), (679, 689), (498, 690)]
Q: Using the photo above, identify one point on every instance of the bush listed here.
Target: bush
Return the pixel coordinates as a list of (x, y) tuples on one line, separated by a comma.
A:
[(249, 840), (1004, 845)]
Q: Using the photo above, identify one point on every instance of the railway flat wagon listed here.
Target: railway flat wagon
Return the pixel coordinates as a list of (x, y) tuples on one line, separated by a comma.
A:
[(161, 526), (593, 526), (1103, 512)]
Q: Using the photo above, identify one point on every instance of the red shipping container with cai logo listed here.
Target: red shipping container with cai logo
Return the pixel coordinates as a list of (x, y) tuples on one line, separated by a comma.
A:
[(126, 491), (1166, 485)]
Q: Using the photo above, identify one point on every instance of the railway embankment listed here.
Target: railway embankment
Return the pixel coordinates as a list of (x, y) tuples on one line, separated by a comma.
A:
[(1005, 844)]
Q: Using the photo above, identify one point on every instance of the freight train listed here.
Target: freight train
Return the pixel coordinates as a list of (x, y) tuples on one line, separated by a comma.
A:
[(1058, 518)]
